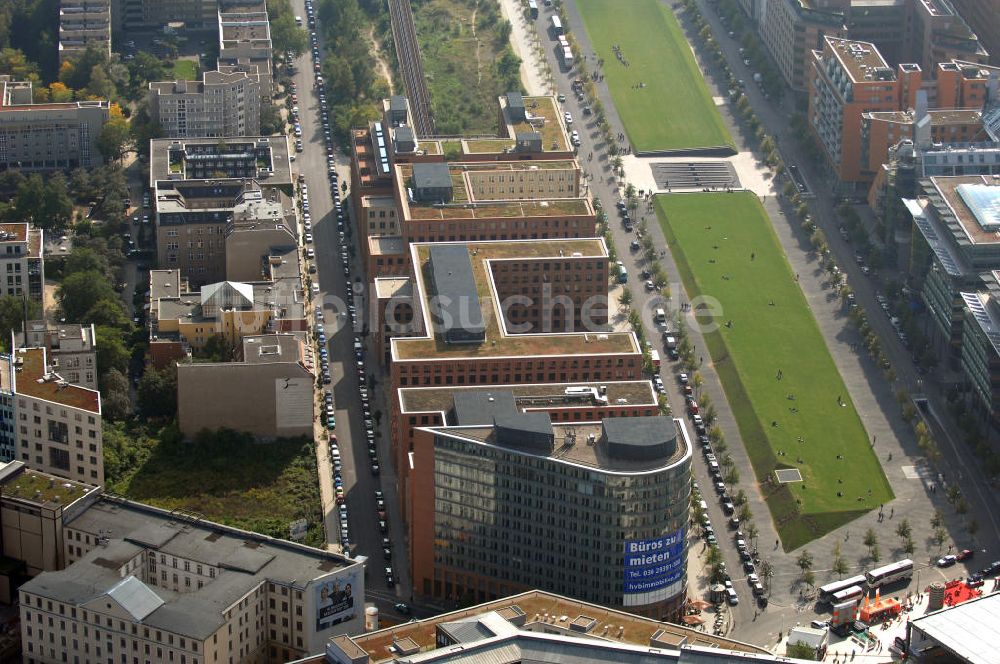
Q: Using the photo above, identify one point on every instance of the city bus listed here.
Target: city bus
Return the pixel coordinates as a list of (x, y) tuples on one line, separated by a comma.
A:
[(557, 28), (847, 595), (533, 8), (889, 574), (827, 592)]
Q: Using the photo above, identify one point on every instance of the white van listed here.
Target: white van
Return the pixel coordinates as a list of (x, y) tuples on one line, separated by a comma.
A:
[(660, 316)]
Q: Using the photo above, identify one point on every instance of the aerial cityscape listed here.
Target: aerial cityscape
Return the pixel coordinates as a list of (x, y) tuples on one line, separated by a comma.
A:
[(499, 331)]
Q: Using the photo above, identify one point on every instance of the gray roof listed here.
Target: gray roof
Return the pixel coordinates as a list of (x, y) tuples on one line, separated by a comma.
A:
[(526, 431), (135, 597), (640, 438), (527, 136), (467, 631), (968, 629), (515, 99), (244, 560), (479, 407), (405, 133), (397, 103), (435, 175), (454, 285)]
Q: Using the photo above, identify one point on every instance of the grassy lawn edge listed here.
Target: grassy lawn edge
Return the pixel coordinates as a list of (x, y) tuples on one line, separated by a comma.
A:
[(794, 527)]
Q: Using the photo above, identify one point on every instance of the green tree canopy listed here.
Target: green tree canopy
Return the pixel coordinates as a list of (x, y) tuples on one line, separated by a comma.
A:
[(115, 139), (12, 316), (157, 393), (112, 353), (80, 291)]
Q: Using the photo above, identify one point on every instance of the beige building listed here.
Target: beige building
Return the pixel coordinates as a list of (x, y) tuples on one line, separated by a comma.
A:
[(71, 350), (220, 105), (82, 22), (245, 42), (58, 425), (267, 391), (36, 137), (131, 14), (22, 264), (136, 583)]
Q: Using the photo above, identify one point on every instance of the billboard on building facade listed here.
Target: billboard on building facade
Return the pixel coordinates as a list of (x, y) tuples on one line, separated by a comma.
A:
[(338, 599), (653, 569)]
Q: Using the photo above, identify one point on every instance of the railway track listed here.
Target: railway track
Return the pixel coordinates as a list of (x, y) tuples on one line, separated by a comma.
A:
[(404, 34)]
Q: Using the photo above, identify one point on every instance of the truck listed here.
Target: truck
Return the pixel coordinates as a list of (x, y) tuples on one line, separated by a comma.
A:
[(533, 8), (567, 57), (655, 356)]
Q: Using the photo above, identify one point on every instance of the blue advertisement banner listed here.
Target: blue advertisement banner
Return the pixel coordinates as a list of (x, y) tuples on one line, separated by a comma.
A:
[(653, 564)]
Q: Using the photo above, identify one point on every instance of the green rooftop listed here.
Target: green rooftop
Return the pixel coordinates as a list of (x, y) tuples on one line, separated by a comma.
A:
[(40, 488), (497, 343)]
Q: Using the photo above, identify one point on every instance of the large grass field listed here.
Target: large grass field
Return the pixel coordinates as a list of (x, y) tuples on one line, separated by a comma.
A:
[(725, 248), (674, 110)]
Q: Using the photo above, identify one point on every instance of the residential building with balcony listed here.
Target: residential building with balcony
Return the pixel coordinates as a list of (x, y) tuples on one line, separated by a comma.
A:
[(71, 348), (245, 42), (221, 105), (144, 14), (55, 426), (509, 501), (273, 372), (81, 23), (22, 263), (48, 137)]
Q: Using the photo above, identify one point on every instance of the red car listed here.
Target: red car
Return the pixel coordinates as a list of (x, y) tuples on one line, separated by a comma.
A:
[(964, 554)]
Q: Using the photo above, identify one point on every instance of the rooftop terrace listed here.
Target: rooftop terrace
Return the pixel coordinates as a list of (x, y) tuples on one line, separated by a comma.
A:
[(546, 395), (499, 344), (465, 206), (42, 488), (534, 605), (858, 58)]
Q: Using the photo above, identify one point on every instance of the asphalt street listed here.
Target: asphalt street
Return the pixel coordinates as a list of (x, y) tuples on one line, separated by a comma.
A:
[(359, 482)]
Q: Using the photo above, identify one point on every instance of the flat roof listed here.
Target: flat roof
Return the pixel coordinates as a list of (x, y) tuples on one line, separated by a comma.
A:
[(530, 396), (969, 229), (497, 342), (465, 206), (386, 245), (542, 114), (858, 58), (533, 605), (239, 147), (573, 444), (43, 488), (34, 380), (387, 287), (459, 313), (968, 629), (939, 118)]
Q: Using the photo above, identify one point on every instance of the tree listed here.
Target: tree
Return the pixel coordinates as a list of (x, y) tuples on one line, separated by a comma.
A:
[(12, 311), (112, 353), (46, 204), (108, 313), (100, 85), (270, 118), (937, 519), (82, 290), (804, 560), (146, 67), (908, 546), (59, 93), (766, 572), (20, 68), (116, 403), (871, 539), (903, 530), (157, 393), (115, 139), (839, 566), (809, 578), (287, 36), (939, 536), (625, 299), (85, 259), (800, 650), (876, 553)]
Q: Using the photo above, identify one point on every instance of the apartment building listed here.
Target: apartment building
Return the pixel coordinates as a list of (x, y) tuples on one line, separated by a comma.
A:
[(923, 32), (604, 496), (56, 426), (245, 42), (267, 391), (145, 584), (232, 310), (982, 16), (39, 137), (22, 263), (83, 22), (199, 215), (954, 241), (71, 349), (540, 627), (138, 14), (563, 402), (882, 131), (220, 105)]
